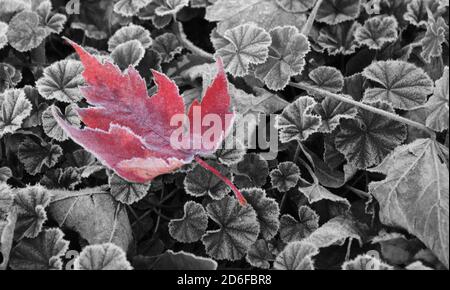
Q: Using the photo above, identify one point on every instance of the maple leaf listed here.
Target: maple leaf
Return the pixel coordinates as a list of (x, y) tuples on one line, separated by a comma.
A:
[(130, 132)]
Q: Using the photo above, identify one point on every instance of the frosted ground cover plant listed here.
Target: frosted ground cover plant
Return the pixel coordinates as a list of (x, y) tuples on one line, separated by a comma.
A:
[(357, 99)]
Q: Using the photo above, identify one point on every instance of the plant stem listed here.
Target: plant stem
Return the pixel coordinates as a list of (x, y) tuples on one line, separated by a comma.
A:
[(309, 23), (179, 31), (358, 192), (342, 98)]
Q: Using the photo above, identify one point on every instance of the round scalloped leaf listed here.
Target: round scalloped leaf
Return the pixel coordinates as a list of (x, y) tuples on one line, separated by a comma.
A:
[(259, 255), (296, 5), (15, 108), (168, 46), (3, 37), (418, 266), (175, 261), (130, 32), (247, 44), (5, 174), (333, 12), (366, 262), (285, 176), (267, 211), (128, 54), (102, 257), (130, 8), (297, 121), (332, 111), (296, 256), (31, 203), (327, 78), (437, 105), (51, 127), (239, 229), (6, 200), (34, 156), (127, 192), (53, 23), (41, 253), (377, 31), (192, 226), (417, 11), (255, 168), (366, 140), (24, 32), (433, 39), (171, 7), (340, 38), (286, 57), (401, 83), (9, 76), (232, 155), (61, 80), (292, 230)]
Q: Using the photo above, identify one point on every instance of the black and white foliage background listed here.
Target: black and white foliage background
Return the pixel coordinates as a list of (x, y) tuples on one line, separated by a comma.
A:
[(361, 180)]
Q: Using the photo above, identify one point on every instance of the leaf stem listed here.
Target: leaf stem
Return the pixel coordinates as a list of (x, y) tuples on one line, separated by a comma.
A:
[(342, 98), (358, 192), (179, 32), (228, 182), (309, 23)]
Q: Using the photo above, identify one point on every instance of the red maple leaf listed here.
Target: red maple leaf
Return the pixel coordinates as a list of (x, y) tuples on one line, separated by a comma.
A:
[(130, 132)]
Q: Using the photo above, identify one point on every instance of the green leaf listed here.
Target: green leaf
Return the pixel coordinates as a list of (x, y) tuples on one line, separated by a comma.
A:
[(433, 39), (377, 31), (296, 256), (316, 192), (51, 127), (414, 195), (102, 257), (286, 57), (255, 168), (233, 155), (175, 261), (9, 76), (35, 156), (52, 22), (38, 107), (417, 13), (366, 140), (401, 83), (15, 109), (259, 255), (333, 12), (149, 13), (247, 44), (437, 105), (332, 111), (8, 217), (125, 191), (171, 7), (130, 32), (168, 46), (340, 38), (5, 174), (366, 262), (3, 36), (292, 230), (25, 31), (285, 176), (192, 226), (326, 78), (296, 5), (61, 81), (238, 229), (41, 253), (128, 54), (130, 8), (417, 266), (297, 122)]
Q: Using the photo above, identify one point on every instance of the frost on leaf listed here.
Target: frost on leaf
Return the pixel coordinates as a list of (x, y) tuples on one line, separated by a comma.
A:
[(102, 257), (286, 57), (333, 12), (41, 253), (285, 176), (326, 78), (370, 137), (192, 226), (15, 108), (296, 5), (340, 38), (316, 192), (130, 8), (174, 261), (332, 111), (417, 266), (128, 54), (94, 214), (149, 13), (38, 107), (52, 22), (437, 105), (377, 31), (297, 122), (267, 211), (434, 38), (31, 203), (170, 7), (34, 156), (417, 11), (61, 81), (414, 195), (365, 262), (51, 127), (238, 229), (259, 255), (401, 83), (292, 230), (25, 31), (3, 37), (296, 256), (127, 192), (247, 44), (8, 217), (233, 155), (130, 32), (168, 46), (255, 168), (201, 182), (5, 174), (9, 76)]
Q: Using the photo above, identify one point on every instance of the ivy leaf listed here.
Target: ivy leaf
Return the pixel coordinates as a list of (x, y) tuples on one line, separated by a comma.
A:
[(259, 255), (255, 168), (433, 39), (401, 83), (247, 44), (175, 261), (192, 226), (102, 257), (51, 127), (292, 230), (332, 111), (340, 38), (25, 31), (3, 36), (366, 262), (297, 122), (286, 57), (296, 5), (127, 192), (171, 7), (296, 256), (333, 12), (437, 105), (15, 108), (366, 140), (168, 46), (285, 176), (128, 54), (423, 211), (377, 31), (239, 229), (61, 81), (41, 253), (5, 174), (130, 32), (34, 156), (326, 78), (130, 8)]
